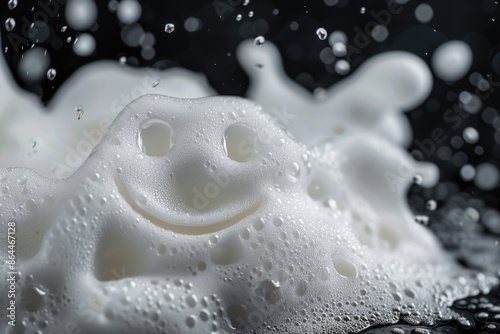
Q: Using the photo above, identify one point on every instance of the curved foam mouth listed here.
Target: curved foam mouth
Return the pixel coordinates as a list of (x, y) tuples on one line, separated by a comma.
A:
[(191, 230)]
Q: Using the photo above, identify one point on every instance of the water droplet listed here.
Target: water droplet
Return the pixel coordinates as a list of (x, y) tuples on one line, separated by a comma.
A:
[(63, 29), (431, 205), (169, 28), (12, 4), (293, 172), (79, 111), (417, 179), (322, 34), (362, 10), (238, 17), (250, 14), (259, 40), (10, 23), (422, 220), (51, 74)]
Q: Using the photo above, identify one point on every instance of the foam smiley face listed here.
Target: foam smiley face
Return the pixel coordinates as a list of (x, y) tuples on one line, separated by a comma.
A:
[(198, 166), (203, 215)]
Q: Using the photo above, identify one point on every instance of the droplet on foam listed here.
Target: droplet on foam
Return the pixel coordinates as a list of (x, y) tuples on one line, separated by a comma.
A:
[(345, 267), (259, 40)]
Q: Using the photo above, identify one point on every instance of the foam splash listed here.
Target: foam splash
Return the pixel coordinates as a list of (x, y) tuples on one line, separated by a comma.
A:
[(153, 233)]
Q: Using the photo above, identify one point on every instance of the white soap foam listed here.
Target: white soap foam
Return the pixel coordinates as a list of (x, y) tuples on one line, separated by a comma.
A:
[(52, 140), (228, 224), (370, 99)]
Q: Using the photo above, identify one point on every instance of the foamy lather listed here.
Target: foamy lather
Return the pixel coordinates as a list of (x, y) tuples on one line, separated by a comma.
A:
[(224, 223), (204, 216)]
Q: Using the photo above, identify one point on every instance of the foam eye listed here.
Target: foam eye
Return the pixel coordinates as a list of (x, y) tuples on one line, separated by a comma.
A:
[(240, 142), (155, 138)]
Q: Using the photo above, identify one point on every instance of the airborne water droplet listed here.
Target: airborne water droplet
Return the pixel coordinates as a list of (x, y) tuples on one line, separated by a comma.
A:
[(51, 74), (321, 32), (431, 205), (422, 220), (10, 23), (79, 111), (169, 27), (12, 4)]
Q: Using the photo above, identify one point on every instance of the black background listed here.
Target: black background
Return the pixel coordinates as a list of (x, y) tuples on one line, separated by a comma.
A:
[(211, 50)]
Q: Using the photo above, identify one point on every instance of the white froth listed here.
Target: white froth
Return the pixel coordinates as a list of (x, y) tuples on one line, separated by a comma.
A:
[(452, 60), (381, 88), (102, 89), (205, 215)]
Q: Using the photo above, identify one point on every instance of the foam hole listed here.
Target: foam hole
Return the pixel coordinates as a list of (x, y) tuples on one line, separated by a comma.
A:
[(239, 142), (156, 138)]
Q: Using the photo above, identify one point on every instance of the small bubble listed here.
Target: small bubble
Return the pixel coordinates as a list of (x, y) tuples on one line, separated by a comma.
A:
[(362, 10), (322, 34), (51, 74), (10, 23), (238, 17), (63, 29), (259, 40), (250, 14), (169, 28)]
